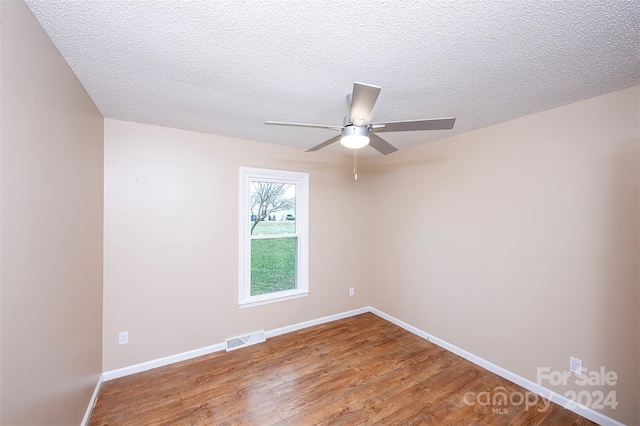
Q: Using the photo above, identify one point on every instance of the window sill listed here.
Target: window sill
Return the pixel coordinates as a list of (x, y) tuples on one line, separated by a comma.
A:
[(272, 298)]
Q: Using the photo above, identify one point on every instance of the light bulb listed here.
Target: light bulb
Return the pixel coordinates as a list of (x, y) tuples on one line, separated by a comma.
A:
[(354, 141)]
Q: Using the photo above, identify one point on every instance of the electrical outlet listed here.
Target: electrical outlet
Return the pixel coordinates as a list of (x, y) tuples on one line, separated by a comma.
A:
[(351, 292), (575, 365), (123, 337)]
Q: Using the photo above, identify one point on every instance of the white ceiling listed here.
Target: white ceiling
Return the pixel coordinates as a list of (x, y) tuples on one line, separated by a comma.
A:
[(224, 67)]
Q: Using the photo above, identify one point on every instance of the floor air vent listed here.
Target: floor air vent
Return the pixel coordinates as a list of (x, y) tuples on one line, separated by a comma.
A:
[(243, 341)]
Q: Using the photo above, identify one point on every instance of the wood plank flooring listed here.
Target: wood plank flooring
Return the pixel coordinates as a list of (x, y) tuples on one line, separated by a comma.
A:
[(356, 371)]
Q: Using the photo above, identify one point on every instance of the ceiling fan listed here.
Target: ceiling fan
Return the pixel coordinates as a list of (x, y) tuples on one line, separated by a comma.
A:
[(357, 130)]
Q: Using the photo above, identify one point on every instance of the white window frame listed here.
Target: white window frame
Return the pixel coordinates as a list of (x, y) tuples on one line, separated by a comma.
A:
[(301, 181)]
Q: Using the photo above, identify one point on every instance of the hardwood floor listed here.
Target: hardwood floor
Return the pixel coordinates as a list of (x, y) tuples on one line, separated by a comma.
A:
[(360, 370)]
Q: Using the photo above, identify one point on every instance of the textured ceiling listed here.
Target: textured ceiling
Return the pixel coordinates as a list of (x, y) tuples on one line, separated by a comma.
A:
[(224, 67)]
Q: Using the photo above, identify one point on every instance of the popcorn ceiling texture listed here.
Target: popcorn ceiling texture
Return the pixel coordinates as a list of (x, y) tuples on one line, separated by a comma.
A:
[(224, 67)]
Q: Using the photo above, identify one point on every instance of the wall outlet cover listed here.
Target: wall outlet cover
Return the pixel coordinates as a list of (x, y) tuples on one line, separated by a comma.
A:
[(575, 365)]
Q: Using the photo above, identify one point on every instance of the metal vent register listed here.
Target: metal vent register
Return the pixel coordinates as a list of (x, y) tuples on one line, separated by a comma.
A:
[(243, 341)]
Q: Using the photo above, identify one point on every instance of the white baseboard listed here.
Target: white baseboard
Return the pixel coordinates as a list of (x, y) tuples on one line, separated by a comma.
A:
[(519, 380), (160, 362), (318, 321), (502, 372), (92, 402)]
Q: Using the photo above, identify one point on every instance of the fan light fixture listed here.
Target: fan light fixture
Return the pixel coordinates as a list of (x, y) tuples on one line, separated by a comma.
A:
[(357, 128), (355, 137)]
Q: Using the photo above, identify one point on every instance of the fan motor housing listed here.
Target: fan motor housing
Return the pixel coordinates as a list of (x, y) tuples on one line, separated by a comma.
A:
[(353, 130)]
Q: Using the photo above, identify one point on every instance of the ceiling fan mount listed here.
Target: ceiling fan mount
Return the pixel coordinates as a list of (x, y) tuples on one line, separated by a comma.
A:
[(357, 130)]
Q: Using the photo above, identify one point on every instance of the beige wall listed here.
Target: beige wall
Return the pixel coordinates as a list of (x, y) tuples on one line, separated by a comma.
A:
[(520, 242), (171, 240), (51, 256)]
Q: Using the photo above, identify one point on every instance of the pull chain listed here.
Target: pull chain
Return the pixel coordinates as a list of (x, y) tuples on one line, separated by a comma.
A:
[(355, 163)]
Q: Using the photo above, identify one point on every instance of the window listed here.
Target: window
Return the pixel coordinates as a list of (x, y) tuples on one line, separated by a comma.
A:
[(274, 242)]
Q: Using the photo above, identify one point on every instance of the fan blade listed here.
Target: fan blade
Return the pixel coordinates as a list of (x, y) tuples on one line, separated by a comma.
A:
[(325, 143), (363, 99), (316, 126), (381, 145), (411, 125)]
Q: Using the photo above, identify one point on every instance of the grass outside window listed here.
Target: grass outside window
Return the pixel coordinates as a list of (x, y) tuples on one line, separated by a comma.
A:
[(273, 265)]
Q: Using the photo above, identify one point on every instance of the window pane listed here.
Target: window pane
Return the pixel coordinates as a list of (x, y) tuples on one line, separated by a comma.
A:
[(273, 208), (273, 265)]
